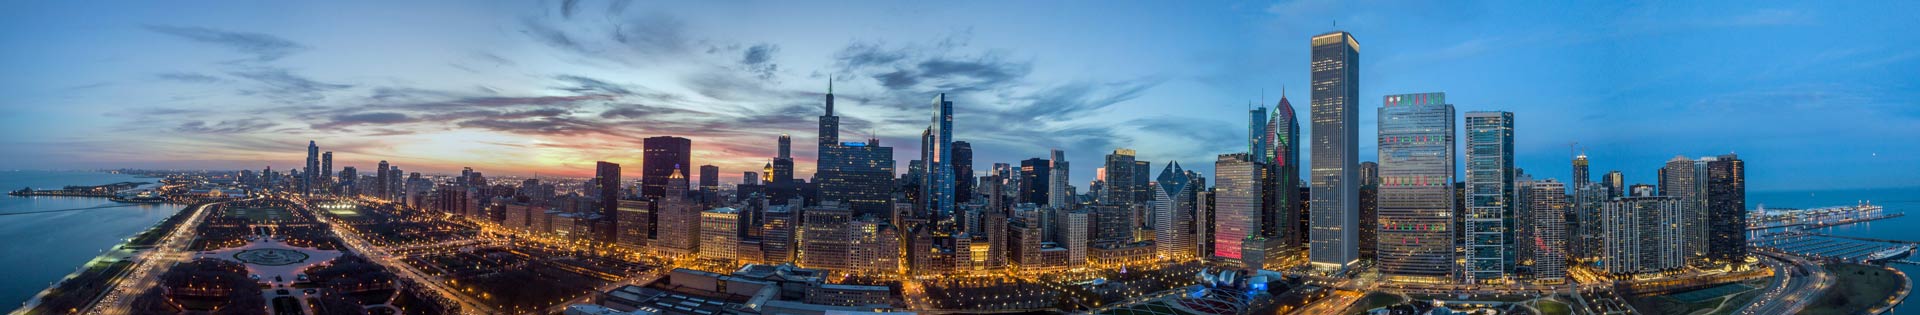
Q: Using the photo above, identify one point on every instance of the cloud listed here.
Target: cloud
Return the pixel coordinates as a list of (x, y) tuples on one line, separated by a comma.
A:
[(585, 85), (372, 118), (262, 47), (226, 126), (643, 111), (620, 37), (758, 60), (544, 126), (188, 77), (1077, 99), (283, 84)]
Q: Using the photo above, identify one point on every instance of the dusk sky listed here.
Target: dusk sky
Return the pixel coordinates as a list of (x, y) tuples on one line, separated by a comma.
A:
[(1813, 95)]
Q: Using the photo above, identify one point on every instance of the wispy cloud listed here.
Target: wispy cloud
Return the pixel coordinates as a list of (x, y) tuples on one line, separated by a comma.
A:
[(188, 77), (261, 47)]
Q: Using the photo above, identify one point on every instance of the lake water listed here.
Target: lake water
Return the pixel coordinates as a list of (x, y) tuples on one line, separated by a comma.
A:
[(37, 249), (1904, 200)]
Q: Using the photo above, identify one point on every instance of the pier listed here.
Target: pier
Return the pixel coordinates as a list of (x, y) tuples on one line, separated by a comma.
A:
[(1765, 219)]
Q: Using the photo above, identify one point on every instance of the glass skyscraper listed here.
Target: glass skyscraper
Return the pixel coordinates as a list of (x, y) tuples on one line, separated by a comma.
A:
[(1414, 205), (939, 159), (1335, 214), (1237, 203), (1488, 221)]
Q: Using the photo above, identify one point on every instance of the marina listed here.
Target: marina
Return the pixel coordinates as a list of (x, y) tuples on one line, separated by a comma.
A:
[(1836, 248)]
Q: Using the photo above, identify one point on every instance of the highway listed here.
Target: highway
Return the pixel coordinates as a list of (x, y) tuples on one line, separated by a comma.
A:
[(1797, 281), (149, 264)]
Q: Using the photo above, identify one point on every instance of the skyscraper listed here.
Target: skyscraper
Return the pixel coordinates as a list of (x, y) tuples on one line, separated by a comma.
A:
[(1727, 209), (1035, 175), (1120, 183), (1549, 244), (709, 177), (1642, 235), (786, 147), (1237, 200), (939, 158), (1259, 134), (1336, 85), (608, 175), (1057, 195), (1489, 217), (1284, 130), (1677, 181), (660, 156), (349, 181), (964, 181), (313, 169), (859, 175), (326, 170), (1142, 175), (1414, 205), (380, 181), (1616, 184), (679, 225), (1174, 210)]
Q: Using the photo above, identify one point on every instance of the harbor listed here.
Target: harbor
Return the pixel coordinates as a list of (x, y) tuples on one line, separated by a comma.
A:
[(1838, 248)]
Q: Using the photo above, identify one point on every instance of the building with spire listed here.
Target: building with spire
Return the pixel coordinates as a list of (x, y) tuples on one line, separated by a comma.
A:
[(1284, 131)]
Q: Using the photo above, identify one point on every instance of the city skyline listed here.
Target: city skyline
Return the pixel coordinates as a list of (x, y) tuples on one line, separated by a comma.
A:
[(238, 88), (1444, 197)]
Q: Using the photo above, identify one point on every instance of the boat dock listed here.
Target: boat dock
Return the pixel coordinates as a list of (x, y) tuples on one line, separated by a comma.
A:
[(1847, 249)]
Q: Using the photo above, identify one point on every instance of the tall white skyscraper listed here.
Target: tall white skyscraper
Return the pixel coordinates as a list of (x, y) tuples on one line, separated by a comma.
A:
[(1335, 212)]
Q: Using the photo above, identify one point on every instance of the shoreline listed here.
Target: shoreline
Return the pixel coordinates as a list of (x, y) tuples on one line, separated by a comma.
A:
[(1899, 297), (125, 249)]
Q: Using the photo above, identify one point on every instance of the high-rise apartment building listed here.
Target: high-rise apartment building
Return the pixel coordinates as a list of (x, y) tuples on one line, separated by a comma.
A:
[(1549, 208), (1677, 180), (1336, 86), (1057, 193), (1727, 209), (1642, 235), (308, 174), (1119, 178), (939, 183), (963, 180)]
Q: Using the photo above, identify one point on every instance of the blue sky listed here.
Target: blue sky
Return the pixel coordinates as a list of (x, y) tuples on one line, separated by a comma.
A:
[(1813, 95)]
